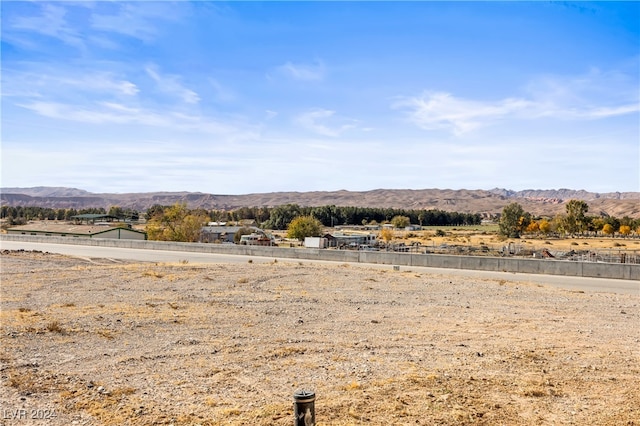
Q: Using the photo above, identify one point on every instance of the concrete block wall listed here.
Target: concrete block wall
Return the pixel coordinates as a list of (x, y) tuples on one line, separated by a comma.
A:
[(506, 264)]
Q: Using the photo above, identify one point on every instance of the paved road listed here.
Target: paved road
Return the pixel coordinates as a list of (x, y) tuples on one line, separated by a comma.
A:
[(571, 283)]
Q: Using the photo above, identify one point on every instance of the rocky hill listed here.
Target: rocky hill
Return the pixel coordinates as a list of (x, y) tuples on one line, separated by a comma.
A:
[(486, 202)]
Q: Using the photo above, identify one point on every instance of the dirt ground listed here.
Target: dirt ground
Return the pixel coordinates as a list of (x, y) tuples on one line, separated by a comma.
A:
[(100, 342)]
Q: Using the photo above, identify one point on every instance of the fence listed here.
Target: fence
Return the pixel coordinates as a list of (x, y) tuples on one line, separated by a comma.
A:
[(527, 265)]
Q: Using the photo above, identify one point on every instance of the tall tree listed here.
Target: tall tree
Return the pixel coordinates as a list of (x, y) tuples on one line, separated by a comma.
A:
[(304, 226), (513, 220), (176, 223), (576, 220), (281, 216), (400, 221)]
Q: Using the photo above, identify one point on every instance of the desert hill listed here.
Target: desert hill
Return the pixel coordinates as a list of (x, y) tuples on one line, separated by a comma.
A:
[(486, 202)]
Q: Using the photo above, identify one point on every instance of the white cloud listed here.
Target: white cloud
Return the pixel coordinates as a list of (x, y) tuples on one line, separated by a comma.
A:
[(303, 72), (136, 20), (104, 113), (107, 113), (593, 96), (324, 122), (65, 83), (432, 111), (171, 84), (596, 94), (52, 23)]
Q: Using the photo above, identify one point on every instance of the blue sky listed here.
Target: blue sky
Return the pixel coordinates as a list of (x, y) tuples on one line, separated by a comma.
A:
[(245, 97)]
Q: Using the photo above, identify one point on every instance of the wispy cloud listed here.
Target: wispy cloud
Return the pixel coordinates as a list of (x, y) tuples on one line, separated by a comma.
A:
[(85, 25), (101, 113), (590, 97), (302, 72), (269, 114), (65, 83), (221, 92), (135, 20), (105, 113), (171, 84), (51, 22), (432, 111), (325, 122)]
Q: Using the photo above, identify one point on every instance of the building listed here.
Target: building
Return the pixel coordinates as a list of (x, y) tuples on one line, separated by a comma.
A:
[(77, 231), (352, 240), (316, 242), (91, 219)]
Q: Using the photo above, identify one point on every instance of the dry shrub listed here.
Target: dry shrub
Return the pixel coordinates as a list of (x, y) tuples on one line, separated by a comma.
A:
[(352, 386), (107, 334), (534, 392), (153, 274), (54, 327), (110, 407), (27, 381), (287, 351)]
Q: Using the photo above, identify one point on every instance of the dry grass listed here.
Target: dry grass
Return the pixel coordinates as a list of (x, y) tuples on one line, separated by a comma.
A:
[(54, 327), (462, 237), (229, 344)]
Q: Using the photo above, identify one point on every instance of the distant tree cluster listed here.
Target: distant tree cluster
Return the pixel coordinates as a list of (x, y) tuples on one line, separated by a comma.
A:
[(20, 215), (281, 216), (165, 222), (514, 222)]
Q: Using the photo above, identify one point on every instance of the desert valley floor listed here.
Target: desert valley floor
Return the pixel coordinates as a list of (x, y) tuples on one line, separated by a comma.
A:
[(98, 342)]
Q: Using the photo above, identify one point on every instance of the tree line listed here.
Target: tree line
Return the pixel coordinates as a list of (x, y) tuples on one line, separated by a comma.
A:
[(178, 223), (19, 215), (280, 217), (515, 221)]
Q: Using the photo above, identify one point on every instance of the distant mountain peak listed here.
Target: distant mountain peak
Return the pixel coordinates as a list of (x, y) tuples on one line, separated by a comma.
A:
[(47, 191)]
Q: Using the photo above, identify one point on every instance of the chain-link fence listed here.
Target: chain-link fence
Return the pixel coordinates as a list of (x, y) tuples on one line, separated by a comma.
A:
[(520, 250)]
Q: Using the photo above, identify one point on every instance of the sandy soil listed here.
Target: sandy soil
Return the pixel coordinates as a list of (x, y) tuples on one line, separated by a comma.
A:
[(94, 342)]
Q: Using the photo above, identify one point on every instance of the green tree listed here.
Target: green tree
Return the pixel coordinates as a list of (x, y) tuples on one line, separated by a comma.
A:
[(513, 220), (176, 223), (304, 226), (400, 221), (116, 211), (154, 211), (280, 217), (576, 220)]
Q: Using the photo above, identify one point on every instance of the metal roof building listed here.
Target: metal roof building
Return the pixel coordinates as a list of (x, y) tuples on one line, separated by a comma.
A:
[(77, 231), (91, 218)]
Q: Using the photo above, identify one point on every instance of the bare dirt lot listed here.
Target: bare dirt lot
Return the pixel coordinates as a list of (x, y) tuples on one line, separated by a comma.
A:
[(95, 342)]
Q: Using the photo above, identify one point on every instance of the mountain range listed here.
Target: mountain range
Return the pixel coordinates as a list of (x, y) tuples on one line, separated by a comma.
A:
[(486, 202)]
